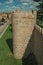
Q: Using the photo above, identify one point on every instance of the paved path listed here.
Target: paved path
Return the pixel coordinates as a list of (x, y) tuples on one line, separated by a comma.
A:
[(3, 27)]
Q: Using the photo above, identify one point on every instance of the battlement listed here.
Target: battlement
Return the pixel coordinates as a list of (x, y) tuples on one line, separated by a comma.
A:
[(24, 14)]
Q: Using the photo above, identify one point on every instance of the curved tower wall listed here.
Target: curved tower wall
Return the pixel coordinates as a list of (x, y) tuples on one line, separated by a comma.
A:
[(23, 26)]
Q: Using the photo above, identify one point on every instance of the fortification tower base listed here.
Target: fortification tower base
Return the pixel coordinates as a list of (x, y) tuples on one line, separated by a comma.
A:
[(23, 26)]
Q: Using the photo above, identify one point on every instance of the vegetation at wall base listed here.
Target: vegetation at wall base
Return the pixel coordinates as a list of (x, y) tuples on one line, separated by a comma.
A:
[(6, 55)]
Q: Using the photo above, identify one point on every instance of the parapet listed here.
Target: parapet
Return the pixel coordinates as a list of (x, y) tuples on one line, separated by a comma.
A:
[(38, 28), (24, 14)]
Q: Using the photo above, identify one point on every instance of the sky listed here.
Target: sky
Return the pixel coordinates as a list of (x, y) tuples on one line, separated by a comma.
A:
[(12, 5)]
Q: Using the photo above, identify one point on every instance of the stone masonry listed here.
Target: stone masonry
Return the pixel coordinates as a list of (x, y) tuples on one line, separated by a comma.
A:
[(38, 44), (23, 25)]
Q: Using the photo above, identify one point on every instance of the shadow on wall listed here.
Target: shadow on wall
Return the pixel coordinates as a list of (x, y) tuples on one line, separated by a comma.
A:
[(30, 60), (10, 27), (29, 57), (9, 42), (38, 46)]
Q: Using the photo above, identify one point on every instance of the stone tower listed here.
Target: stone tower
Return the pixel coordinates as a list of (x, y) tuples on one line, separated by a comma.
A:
[(23, 25)]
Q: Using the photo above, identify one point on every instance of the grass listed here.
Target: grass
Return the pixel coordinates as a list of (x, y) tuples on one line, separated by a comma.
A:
[(6, 56)]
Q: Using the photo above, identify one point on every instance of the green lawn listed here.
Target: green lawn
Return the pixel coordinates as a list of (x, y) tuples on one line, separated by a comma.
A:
[(6, 56)]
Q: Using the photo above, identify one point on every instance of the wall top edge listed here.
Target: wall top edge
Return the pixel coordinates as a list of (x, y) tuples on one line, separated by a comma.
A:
[(39, 28)]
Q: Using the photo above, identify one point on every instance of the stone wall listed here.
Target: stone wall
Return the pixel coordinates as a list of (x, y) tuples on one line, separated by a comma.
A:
[(34, 49), (3, 15), (23, 26), (3, 28), (27, 36), (38, 44)]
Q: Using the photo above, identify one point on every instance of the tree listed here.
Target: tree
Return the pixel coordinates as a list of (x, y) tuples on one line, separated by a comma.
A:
[(3, 20), (40, 13), (8, 16), (40, 7), (37, 0)]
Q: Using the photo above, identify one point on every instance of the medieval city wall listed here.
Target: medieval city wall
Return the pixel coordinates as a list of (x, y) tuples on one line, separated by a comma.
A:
[(27, 36)]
